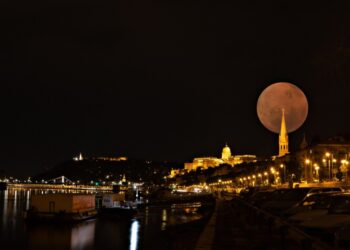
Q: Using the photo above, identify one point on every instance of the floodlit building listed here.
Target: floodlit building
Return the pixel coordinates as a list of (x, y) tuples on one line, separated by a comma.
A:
[(226, 153), (203, 162), (226, 158), (239, 159), (325, 160)]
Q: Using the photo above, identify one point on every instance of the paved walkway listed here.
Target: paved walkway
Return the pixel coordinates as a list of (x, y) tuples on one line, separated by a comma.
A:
[(231, 228)]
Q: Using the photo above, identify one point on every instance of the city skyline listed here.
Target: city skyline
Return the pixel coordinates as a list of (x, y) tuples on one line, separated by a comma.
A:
[(144, 83)]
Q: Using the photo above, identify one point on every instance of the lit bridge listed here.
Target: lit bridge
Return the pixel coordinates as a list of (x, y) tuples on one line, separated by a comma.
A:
[(59, 186)]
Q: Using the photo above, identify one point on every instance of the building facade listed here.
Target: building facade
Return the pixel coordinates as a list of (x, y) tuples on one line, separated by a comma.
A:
[(226, 158)]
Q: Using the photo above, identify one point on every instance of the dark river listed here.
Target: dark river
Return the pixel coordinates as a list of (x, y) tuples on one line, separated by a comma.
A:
[(167, 227)]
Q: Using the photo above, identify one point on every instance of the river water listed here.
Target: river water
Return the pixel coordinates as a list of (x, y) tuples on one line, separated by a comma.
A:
[(152, 228)]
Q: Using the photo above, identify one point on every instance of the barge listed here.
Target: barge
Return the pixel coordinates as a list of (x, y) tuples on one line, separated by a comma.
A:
[(61, 207)]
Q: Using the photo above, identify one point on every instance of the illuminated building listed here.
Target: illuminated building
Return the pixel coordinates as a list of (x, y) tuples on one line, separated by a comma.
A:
[(121, 158), (239, 159), (174, 172), (323, 160), (226, 153), (79, 157), (203, 162), (226, 158), (283, 138)]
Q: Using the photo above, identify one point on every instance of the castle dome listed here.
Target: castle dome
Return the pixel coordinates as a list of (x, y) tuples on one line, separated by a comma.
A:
[(226, 152)]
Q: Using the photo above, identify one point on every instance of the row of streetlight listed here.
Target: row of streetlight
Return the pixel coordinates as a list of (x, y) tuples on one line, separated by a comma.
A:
[(251, 179), (328, 160)]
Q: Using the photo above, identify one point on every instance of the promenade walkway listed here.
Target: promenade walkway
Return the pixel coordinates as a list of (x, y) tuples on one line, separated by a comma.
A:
[(233, 227)]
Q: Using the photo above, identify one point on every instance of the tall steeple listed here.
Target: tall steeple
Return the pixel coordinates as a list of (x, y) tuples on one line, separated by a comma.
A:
[(303, 143), (283, 138)]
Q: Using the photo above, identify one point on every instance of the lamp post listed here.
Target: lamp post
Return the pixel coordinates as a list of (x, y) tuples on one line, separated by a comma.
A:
[(317, 168), (273, 172), (334, 161), (284, 172), (260, 176), (267, 178), (344, 168), (329, 160), (308, 176)]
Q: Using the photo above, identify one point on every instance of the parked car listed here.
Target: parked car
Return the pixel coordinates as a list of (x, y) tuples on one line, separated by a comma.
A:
[(247, 193), (325, 190), (285, 199), (333, 224), (311, 202), (310, 208)]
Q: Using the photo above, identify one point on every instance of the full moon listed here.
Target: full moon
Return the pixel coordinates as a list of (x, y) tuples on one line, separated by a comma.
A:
[(279, 96)]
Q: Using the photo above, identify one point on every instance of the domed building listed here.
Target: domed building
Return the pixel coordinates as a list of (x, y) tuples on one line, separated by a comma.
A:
[(226, 158), (226, 153)]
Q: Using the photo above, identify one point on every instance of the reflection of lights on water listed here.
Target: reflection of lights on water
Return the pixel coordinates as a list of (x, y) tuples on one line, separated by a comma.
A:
[(15, 203), (164, 219), (27, 200), (134, 235), (6, 193), (164, 215), (82, 236)]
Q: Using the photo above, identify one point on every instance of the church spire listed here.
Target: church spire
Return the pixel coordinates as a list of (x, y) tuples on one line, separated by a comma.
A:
[(283, 137), (304, 143)]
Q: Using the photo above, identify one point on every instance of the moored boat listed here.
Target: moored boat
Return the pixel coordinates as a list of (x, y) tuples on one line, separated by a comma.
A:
[(115, 205), (61, 207)]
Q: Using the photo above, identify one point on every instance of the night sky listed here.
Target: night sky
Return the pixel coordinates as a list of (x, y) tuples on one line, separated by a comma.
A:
[(163, 80)]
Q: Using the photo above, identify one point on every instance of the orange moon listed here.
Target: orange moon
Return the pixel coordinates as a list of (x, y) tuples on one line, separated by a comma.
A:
[(278, 96)]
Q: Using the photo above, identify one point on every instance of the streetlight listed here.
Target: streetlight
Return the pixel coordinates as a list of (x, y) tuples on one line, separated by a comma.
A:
[(317, 168), (272, 169), (344, 168), (267, 178), (308, 170), (260, 176), (329, 156), (284, 172)]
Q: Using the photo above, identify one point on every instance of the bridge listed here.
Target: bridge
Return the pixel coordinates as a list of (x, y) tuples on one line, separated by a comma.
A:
[(59, 186)]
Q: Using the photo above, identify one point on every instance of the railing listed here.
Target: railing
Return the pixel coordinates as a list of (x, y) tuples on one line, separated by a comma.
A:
[(289, 236)]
